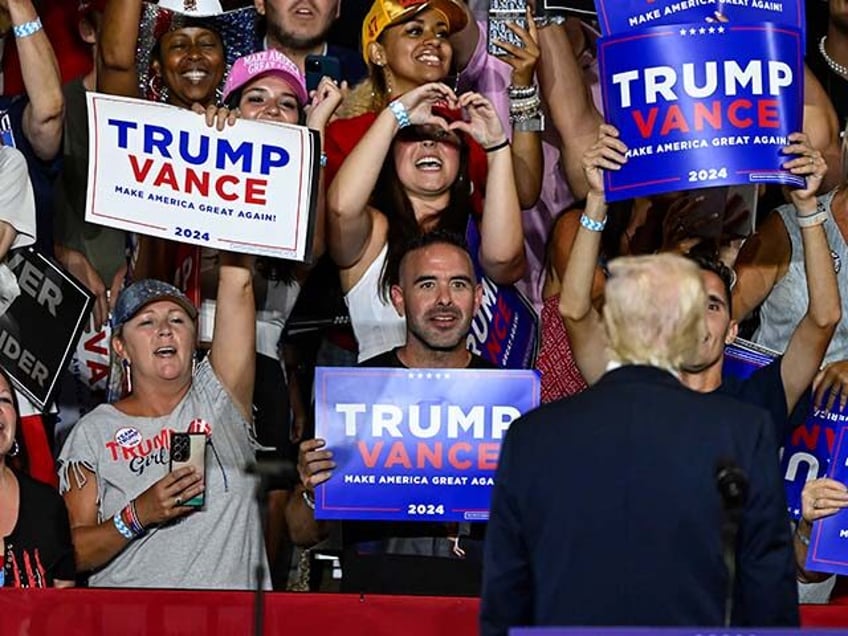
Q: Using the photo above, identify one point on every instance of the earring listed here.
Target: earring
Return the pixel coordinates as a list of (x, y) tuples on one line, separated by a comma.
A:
[(127, 365), (16, 448), (456, 82), (157, 91)]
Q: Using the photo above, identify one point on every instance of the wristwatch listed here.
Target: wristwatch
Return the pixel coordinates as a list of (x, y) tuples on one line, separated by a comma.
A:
[(534, 124)]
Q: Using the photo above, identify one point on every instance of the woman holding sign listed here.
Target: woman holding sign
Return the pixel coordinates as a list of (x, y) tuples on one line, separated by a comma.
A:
[(405, 177), (138, 520), (771, 276), (268, 87)]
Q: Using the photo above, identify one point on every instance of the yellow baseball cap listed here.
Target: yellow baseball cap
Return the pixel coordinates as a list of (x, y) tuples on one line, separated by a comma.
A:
[(386, 13)]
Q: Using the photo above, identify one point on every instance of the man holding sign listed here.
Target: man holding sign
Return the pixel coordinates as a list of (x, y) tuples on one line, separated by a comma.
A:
[(437, 291)]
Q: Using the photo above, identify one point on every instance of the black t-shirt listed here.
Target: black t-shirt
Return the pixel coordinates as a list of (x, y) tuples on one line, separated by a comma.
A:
[(39, 549), (764, 388), (390, 360), (368, 568)]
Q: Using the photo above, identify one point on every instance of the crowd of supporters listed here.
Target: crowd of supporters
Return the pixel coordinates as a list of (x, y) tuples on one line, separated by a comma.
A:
[(422, 131)]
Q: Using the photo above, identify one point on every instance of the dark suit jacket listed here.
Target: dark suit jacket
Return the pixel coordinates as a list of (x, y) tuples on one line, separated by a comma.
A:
[(605, 511)]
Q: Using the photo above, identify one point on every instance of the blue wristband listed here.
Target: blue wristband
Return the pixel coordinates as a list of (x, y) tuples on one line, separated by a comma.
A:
[(399, 111), (27, 28), (591, 224), (122, 527)]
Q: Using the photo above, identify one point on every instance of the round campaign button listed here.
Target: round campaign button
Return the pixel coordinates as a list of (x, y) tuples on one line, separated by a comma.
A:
[(128, 437)]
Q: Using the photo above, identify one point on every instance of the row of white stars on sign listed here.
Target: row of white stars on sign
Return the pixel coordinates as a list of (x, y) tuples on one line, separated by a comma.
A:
[(702, 30), (430, 376)]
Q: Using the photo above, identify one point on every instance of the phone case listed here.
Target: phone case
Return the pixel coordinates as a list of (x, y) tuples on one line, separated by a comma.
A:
[(318, 66), (189, 449), (502, 12)]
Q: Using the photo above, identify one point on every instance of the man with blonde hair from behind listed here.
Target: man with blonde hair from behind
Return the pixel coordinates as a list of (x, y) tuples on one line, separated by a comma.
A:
[(607, 508)]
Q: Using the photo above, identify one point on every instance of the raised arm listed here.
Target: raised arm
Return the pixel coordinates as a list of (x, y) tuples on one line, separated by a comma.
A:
[(577, 265), (501, 233), (822, 127), (527, 160), (43, 115), (233, 353), (325, 100), (116, 70), (808, 343), (349, 219), (569, 101)]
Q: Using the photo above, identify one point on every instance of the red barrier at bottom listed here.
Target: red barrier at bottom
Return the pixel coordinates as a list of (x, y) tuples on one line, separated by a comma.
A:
[(136, 613)]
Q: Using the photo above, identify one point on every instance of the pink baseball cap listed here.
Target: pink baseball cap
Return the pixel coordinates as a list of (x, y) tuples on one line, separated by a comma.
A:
[(249, 67)]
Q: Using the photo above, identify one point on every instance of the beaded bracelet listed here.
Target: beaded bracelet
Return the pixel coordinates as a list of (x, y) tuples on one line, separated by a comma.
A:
[(400, 113), (27, 28), (519, 92), (122, 527), (591, 224), (131, 517)]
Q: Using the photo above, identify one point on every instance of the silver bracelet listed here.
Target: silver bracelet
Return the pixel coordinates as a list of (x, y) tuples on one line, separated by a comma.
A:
[(309, 500), (811, 220), (802, 538)]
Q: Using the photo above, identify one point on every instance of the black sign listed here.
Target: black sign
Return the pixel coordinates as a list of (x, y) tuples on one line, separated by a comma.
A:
[(43, 311)]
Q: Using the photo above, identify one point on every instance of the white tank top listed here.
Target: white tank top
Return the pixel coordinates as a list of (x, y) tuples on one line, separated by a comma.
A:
[(377, 326)]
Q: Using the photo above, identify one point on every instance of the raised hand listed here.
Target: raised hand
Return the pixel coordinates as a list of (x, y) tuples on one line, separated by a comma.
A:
[(419, 103), (484, 125), (324, 101), (607, 153), (811, 164), (523, 60)]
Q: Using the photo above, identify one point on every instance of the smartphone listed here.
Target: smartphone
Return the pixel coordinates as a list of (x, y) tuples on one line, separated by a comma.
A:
[(318, 66), (189, 449), (501, 12)]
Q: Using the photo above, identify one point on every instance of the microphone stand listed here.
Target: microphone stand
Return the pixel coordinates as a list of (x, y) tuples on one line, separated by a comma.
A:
[(263, 471), (732, 485), (260, 493)]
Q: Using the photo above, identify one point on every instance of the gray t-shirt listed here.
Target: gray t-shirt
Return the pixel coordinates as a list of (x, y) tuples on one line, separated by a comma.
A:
[(787, 302), (216, 547)]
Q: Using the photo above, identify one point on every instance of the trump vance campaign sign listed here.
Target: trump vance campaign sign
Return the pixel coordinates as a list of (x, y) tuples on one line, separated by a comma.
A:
[(160, 170), (701, 105), (415, 444)]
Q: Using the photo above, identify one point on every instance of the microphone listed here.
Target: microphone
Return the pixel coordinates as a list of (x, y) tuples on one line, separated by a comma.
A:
[(732, 484), (269, 468)]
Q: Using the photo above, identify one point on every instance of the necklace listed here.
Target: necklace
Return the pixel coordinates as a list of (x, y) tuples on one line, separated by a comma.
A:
[(835, 66)]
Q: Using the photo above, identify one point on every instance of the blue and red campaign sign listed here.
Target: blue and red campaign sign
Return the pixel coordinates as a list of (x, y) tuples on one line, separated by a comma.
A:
[(620, 16), (828, 550), (806, 453), (505, 329), (701, 105), (415, 444)]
